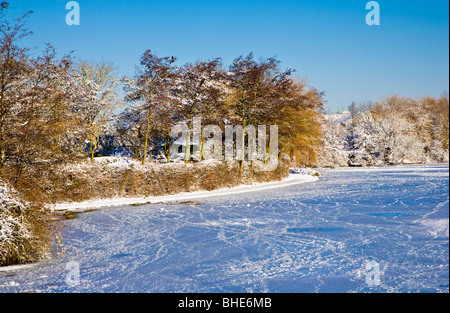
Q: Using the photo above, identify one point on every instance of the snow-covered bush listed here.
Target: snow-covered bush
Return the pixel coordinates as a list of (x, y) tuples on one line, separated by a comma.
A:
[(21, 233)]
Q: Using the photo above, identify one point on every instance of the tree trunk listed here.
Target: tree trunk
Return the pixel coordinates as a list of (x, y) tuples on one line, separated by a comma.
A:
[(167, 146), (91, 148), (241, 169), (147, 132), (188, 148), (202, 147), (2, 128), (2, 157)]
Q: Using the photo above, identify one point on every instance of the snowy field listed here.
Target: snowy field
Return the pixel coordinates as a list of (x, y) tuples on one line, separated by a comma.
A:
[(312, 237)]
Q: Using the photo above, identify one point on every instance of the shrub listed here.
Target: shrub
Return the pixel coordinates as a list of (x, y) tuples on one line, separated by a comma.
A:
[(23, 228)]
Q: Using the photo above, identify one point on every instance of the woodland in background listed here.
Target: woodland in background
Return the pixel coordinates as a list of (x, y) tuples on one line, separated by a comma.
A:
[(395, 130)]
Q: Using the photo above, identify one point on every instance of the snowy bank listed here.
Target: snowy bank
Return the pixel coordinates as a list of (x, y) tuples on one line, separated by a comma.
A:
[(292, 179), (117, 178)]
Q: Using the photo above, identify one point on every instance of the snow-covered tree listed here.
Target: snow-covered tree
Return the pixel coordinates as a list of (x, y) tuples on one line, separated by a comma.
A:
[(199, 91), (394, 130), (101, 87)]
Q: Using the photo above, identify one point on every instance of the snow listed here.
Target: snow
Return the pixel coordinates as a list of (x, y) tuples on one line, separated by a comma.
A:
[(10, 224), (436, 227), (338, 118), (16, 267), (14, 229), (312, 237)]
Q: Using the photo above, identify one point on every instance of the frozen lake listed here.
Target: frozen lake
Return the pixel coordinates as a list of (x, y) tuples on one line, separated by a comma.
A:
[(354, 230)]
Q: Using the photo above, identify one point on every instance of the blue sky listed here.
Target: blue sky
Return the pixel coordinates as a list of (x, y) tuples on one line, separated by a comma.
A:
[(327, 42)]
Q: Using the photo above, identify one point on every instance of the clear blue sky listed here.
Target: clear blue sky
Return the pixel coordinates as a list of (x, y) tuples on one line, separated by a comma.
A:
[(327, 42)]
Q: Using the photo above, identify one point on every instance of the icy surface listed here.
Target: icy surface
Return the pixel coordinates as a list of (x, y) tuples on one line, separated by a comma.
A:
[(315, 237)]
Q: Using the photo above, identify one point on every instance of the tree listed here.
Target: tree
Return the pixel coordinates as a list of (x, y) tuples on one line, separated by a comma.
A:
[(36, 96), (100, 83), (437, 110), (151, 87), (263, 94), (42, 113), (393, 130), (130, 130), (298, 112), (249, 82), (13, 68), (199, 91)]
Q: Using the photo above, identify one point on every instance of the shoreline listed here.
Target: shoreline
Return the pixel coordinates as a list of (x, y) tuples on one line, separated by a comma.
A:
[(384, 167), (292, 179)]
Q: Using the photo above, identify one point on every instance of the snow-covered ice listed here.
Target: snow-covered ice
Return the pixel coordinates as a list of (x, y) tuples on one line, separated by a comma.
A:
[(313, 237)]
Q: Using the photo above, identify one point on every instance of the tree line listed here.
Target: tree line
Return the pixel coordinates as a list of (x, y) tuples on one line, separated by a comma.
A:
[(58, 109), (393, 130)]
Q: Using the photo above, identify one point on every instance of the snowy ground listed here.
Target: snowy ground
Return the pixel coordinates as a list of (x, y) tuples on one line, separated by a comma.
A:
[(314, 237)]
